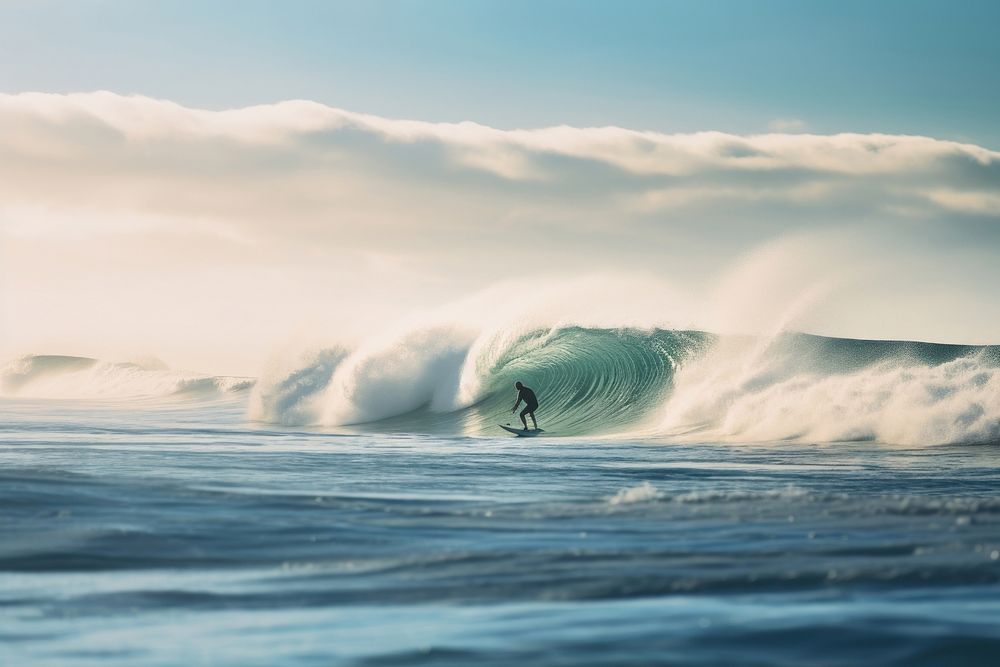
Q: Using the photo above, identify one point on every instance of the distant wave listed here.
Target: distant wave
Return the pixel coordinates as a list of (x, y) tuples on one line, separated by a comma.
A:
[(66, 377), (685, 385)]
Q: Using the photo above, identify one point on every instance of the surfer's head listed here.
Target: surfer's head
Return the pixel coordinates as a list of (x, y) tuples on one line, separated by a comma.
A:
[(518, 385)]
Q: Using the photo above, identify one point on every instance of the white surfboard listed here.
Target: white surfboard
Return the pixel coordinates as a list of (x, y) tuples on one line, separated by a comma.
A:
[(521, 433)]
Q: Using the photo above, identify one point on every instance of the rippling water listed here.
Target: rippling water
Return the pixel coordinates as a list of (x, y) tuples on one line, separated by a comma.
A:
[(181, 534)]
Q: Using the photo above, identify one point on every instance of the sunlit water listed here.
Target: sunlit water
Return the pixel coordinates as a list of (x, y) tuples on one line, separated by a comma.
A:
[(185, 535)]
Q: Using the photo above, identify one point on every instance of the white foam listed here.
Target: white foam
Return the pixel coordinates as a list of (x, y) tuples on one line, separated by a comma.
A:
[(641, 493), (712, 495), (756, 394), (394, 376)]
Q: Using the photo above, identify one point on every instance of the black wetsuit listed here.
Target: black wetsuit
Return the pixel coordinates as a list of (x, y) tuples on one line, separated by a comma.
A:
[(530, 405), (528, 396)]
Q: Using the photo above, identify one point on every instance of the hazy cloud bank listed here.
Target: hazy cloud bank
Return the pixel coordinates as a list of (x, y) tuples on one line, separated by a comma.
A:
[(305, 161), (241, 218)]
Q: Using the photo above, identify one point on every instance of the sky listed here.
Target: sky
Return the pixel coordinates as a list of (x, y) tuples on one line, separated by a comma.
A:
[(203, 182), (898, 66)]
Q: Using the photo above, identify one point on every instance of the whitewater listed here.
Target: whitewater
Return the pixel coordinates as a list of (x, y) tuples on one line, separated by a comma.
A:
[(699, 499)]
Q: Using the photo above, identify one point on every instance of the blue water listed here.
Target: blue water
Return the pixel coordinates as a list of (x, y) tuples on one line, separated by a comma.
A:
[(180, 533)]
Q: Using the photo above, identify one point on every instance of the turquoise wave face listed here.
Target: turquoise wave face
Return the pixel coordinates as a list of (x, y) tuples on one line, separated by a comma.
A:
[(587, 380)]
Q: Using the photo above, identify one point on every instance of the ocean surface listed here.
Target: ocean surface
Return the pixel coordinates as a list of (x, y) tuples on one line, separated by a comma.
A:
[(826, 502)]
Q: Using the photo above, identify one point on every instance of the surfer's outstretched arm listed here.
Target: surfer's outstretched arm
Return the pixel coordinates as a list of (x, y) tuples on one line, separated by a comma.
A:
[(514, 409)]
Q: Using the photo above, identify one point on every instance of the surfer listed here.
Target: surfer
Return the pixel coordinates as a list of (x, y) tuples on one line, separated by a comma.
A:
[(530, 404)]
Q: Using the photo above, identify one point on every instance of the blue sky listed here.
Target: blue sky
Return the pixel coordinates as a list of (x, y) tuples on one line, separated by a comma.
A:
[(902, 67)]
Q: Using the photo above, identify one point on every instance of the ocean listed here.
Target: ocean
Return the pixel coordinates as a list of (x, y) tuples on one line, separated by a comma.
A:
[(695, 500)]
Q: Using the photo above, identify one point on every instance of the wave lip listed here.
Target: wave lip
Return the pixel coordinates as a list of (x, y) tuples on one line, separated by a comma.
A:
[(70, 377)]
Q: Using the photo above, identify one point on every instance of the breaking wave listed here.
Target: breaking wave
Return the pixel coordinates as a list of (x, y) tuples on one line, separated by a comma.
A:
[(683, 385), (66, 377), (441, 379), (661, 383)]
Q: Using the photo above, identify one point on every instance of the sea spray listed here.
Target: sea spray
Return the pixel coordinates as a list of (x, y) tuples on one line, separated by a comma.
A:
[(289, 391)]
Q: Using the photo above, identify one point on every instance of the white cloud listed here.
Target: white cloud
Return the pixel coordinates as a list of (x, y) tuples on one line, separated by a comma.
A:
[(683, 197), (969, 201), (305, 172), (144, 122)]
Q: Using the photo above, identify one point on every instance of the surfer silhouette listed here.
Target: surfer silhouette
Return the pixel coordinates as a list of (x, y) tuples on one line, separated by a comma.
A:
[(530, 404)]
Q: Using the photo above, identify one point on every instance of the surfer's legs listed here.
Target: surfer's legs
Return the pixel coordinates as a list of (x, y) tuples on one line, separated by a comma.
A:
[(528, 411)]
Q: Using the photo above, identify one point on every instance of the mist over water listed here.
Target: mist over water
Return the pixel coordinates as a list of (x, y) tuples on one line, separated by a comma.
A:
[(612, 355)]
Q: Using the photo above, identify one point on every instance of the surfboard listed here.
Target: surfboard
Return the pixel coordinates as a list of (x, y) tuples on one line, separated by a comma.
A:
[(520, 432)]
